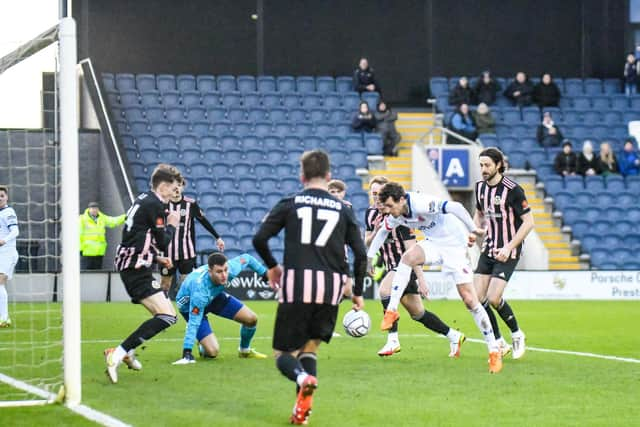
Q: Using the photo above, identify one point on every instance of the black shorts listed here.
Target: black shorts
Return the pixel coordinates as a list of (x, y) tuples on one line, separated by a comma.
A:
[(494, 268), (139, 284), (412, 286), (297, 323), (184, 266)]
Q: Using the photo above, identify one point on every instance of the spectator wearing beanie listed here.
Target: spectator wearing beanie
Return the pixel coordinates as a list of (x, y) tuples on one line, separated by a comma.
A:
[(565, 163)]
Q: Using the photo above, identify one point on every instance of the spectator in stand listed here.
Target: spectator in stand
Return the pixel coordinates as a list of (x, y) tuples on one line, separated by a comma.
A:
[(607, 162), (546, 93), (461, 93), (386, 127), (486, 89), (485, 122), (520, 91), (548, 134), (631, 75), (364, 79), (364, 121), (629, 160), (566, 161), (587, 161), (462, 123)]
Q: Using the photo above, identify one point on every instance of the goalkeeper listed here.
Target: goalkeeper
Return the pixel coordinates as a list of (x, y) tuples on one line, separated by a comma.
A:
[(202, 292)]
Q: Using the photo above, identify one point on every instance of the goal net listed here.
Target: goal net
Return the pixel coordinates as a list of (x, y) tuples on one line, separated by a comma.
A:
[(33, 339)]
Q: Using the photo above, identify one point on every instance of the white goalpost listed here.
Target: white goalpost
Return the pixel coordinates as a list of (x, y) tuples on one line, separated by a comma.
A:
[(41, 359)]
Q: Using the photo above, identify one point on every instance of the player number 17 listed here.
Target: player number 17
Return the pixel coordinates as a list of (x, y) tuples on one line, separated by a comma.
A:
[(306, 215)]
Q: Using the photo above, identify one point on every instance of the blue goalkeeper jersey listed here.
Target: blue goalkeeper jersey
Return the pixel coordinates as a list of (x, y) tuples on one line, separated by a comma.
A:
[(197, 291)]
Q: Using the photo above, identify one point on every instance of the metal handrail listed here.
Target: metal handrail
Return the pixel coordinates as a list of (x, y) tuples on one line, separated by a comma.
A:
[(447, 132)]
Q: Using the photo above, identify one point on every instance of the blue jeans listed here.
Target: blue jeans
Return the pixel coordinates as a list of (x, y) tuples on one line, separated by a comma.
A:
[(630, 89)]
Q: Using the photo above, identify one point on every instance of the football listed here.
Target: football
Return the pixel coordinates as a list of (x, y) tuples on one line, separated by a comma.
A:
[(356, 323)]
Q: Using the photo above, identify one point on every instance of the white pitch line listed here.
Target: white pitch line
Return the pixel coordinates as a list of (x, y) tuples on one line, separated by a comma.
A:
[(473, 340)]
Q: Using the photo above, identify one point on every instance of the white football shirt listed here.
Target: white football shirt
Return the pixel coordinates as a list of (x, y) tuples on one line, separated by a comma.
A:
[(8, 227)]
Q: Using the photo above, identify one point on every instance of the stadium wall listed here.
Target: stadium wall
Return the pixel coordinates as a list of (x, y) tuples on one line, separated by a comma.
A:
[(407, 41)]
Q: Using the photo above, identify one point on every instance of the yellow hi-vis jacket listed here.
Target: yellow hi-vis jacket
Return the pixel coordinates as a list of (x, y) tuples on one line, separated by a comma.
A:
[(93, 241)]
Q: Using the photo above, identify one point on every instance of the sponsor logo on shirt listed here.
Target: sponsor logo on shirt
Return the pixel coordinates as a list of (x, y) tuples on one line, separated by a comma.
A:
[(195, 311)]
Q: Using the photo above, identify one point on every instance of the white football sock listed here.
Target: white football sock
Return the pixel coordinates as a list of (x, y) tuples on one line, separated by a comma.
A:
[(453, 335), (399, 284), (300, 378), (393, 336), (481, 318), (118, 354), (4, 303)]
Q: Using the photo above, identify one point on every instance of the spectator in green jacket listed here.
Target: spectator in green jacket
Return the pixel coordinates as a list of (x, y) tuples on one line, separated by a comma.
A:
[(93, 241)]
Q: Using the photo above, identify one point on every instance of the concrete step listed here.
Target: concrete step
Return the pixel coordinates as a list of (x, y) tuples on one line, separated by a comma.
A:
[(563, 259), (559, 252), (564, 266), (548, 230)]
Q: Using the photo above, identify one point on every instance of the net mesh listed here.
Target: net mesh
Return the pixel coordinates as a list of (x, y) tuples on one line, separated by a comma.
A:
[(31, 348)]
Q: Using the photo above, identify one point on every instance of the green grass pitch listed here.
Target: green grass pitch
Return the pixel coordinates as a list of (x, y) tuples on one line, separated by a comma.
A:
[(419, 386)]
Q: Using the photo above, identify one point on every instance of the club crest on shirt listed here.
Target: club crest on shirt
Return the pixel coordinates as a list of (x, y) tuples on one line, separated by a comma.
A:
[(432, 206), (497, 200), (155, 284), (195, 311), (183, 212)]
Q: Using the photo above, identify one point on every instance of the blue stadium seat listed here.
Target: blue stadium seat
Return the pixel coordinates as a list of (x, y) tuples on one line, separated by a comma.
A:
[(191, 99), (574, 183), (614, 214), (619, 102), (254, 156), (211, 100), (286, 170), (226, 83), (615, 183), (332, 101), (344, 84), (593, 183), (612, 117), (236, 114), (572, 117), (248, 183), (273, 143), (222, 127), (518, 159), (591, 117), (580, 228), (241, 169), (195, 114), (602, 198), (229, 142), (323, 129), (129, 98), (206, 83), (272, 197), (592, 215), (251, 142), (150, 99), (634, 102), (536, 157), (346, 171), (180, 127), (439, 86), (318, 115), (373, 143), (256, 114), (199, 169), (625, 228), (531, 115), (203, 184), (325, 84), (262, 128), (108, 81), (188, 141), (277, 114), (573, 87), (253, 198), (563, 199), (291, 100), (138, 127), (589, 242), (553, 184), (275, 156), (266, 84), (626, 198), (125, 81), (582, 103), (612, 86), (572, 214), (201, 128), (220, 170), (191, 155), (351, 101), (186, 83), (305, 84), (290, 185), (225, 184), (358, 158), (297, 115), (166, 82), (593, 86), (302, 128), (208, 199), (246, 83), (312, 100), (601, 103), (243, 227), (286, 84), (252, 99), (583, 198), (232, 99), (233, 156), (372, 99), (271, 100), (339, 115), (170, 98)]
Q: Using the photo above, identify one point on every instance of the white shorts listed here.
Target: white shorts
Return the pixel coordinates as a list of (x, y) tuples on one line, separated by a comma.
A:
[(454, 260), (8, 261)]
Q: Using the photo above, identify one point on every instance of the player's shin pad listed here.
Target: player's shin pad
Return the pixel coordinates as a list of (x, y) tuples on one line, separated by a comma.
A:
[(400, 281)]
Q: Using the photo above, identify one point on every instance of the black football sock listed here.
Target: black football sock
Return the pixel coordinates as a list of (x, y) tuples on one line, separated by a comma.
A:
[(492, 319), (385, 304), (433, 322), (148, 330), (289, 366), (505, 312), (309, 363)]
